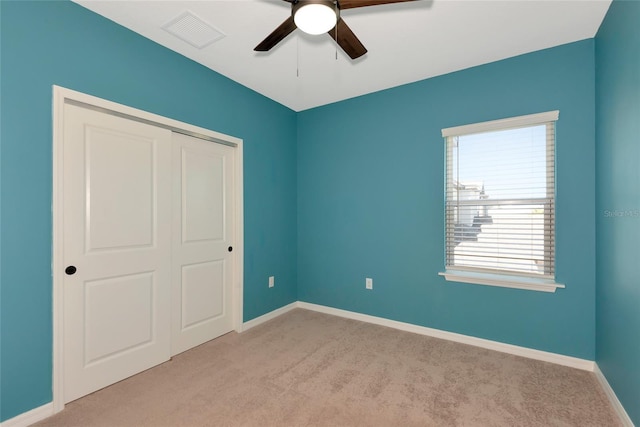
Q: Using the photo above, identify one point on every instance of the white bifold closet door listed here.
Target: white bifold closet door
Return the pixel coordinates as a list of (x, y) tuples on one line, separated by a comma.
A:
[(148, 222), (117, 235), (203, 215)]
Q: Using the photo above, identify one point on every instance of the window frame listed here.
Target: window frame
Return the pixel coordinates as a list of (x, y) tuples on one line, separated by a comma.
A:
[(493, 277)]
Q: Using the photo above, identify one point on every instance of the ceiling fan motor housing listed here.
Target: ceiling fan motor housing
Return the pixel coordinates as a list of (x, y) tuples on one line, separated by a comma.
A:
[(333, 4)]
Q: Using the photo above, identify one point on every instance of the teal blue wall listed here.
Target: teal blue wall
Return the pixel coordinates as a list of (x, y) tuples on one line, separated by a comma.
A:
[(370, 202), (618, 193), (46, 43)]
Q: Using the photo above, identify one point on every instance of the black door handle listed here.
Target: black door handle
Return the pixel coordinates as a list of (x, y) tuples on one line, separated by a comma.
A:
[(70, 270), (230, 248)]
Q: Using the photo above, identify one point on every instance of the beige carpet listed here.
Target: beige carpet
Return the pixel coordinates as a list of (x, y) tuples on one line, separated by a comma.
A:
[(311, 369)]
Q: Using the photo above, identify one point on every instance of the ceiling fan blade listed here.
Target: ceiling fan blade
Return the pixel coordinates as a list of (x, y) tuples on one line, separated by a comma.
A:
[(350, 4), (347, 40), (277, 35)]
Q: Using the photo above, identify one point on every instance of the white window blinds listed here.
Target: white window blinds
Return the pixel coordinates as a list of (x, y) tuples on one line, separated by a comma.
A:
[(500, 196)]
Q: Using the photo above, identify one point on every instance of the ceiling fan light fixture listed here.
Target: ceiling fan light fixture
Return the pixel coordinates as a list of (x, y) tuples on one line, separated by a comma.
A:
[(315, 18)]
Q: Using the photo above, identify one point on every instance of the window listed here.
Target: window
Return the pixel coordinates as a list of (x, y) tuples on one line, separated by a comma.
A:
[(500, 202)]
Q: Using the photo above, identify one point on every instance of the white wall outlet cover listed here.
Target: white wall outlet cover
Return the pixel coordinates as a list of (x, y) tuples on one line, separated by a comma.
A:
[(369, 283), (272, 281)]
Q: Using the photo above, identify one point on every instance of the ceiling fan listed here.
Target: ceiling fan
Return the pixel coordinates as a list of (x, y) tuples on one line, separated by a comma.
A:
[(322, 16)]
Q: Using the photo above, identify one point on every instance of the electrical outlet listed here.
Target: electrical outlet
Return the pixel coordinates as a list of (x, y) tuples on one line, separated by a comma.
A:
[(272, 281), (368, 283)]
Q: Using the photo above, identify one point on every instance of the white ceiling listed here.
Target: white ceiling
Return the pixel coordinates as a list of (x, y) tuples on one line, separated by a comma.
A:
[(407, 42)]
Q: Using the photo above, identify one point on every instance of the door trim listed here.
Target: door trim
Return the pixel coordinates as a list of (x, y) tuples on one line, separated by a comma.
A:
[(63, 95)]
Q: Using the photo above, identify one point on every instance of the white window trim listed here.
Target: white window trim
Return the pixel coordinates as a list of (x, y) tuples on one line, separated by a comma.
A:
[(502, 124), (501, 280), (490, 279)]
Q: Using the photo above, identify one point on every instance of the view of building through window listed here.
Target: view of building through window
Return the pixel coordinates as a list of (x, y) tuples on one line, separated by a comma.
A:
[(500, 211)]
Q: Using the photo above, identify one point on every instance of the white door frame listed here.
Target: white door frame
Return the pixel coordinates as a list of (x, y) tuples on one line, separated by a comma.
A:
[(60, 97)]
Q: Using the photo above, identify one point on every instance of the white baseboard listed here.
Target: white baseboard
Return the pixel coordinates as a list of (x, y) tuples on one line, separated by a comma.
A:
[(611, 395), (266, 317), (559, 359), (30, 417)]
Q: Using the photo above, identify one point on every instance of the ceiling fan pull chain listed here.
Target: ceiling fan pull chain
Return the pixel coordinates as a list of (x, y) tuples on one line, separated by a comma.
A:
[(338, 15), (298, 56)]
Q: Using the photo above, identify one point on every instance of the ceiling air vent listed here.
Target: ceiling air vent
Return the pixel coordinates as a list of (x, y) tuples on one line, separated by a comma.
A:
[(193, 30)]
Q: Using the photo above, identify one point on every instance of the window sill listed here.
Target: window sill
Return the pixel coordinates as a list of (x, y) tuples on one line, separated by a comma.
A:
[(504, 281)]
